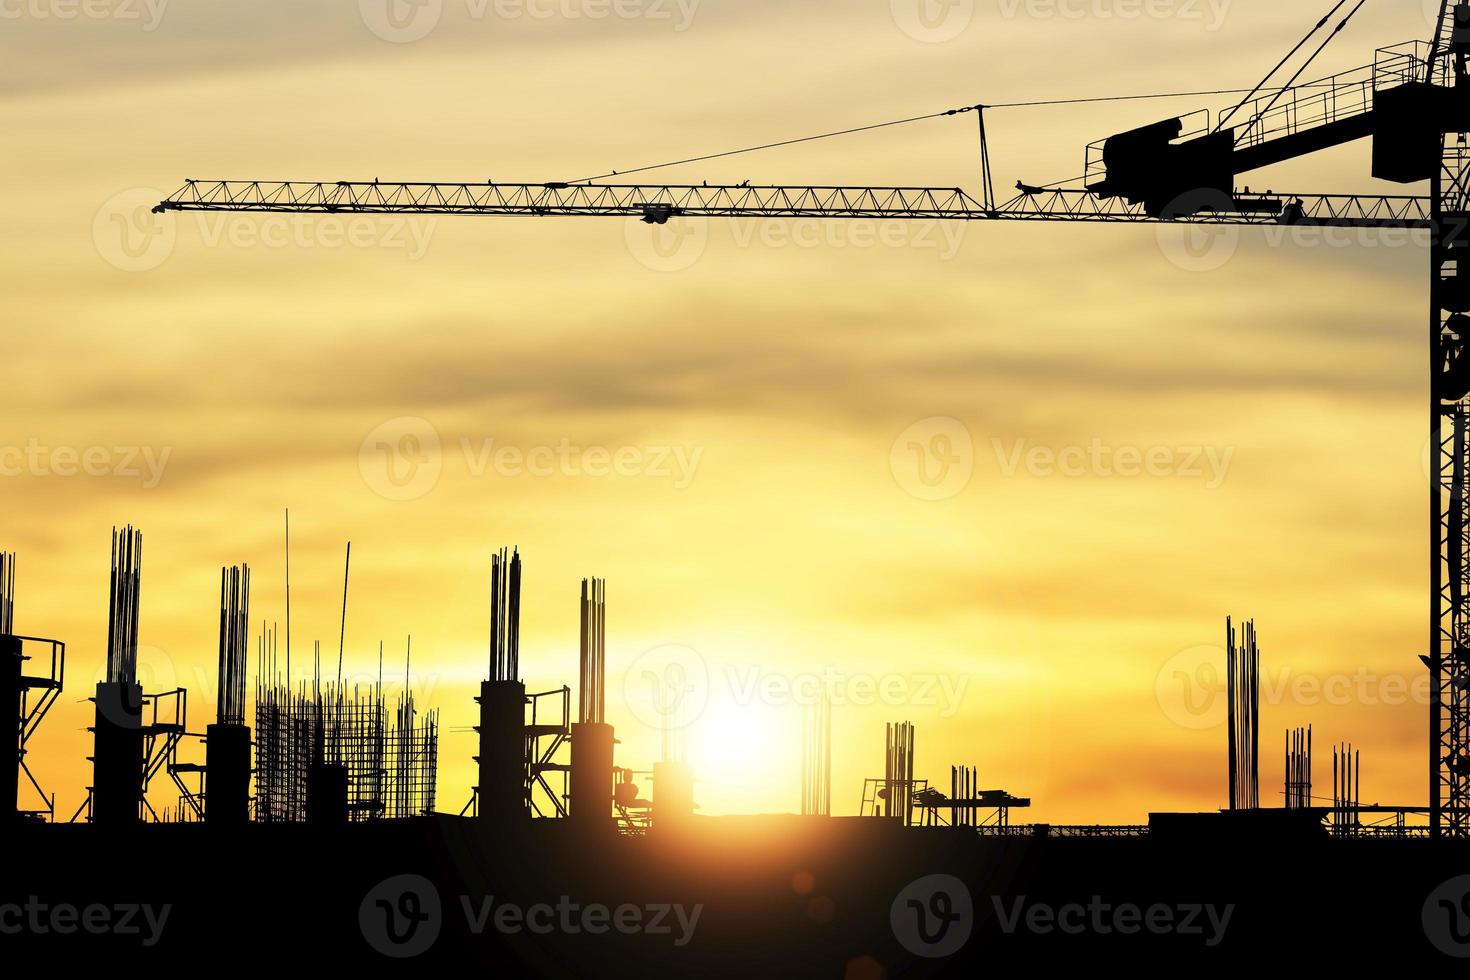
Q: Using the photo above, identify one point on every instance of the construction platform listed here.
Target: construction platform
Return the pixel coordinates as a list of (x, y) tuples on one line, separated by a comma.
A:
[(770, 896)]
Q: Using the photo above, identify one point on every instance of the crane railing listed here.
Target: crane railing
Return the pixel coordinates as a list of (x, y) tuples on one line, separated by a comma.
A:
[(1334, 98), (659, 203)]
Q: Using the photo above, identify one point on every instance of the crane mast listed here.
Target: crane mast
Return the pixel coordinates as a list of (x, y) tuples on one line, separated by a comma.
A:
[(1413, 102), (1449, 651)]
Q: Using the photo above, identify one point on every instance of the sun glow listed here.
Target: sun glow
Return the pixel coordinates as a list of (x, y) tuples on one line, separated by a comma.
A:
[(746, 755)]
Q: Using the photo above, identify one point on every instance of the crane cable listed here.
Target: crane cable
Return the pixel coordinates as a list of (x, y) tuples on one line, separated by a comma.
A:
[(1279, 65), (914, 119), (1305, 65)]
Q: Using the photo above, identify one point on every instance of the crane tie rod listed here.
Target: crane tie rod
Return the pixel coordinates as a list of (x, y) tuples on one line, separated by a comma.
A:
[(913, 119)]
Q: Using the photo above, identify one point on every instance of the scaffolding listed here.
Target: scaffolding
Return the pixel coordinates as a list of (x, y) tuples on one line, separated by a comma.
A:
[(391, 759)]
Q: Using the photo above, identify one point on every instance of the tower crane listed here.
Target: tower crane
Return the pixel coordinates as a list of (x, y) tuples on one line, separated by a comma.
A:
[(1412, 102)]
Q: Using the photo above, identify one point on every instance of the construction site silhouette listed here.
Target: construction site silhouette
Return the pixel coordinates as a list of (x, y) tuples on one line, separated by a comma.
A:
[(305, 825)]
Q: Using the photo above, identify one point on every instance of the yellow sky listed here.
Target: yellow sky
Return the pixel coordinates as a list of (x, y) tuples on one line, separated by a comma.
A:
[(764, 385)]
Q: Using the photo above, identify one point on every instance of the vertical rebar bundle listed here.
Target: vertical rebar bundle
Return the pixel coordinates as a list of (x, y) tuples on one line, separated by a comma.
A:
[(122, 625), (898, 772), (591, 696), (962, 782), (414, 748), (1242, 672), (505, 616), (234, 643), (7, 593), (1347, 784), (816, 758), (1299, 768), (391, 767)]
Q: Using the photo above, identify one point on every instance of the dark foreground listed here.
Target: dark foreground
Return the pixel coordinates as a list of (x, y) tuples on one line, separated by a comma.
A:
[(750, 897)]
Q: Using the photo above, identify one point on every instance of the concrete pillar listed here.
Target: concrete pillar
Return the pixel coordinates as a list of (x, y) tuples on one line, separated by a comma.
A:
[(10, 663), (502, 758), (592, 773), (117, 755), (227, 775)]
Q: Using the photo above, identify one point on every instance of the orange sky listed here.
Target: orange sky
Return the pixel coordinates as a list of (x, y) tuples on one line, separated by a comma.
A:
[(761, 387)]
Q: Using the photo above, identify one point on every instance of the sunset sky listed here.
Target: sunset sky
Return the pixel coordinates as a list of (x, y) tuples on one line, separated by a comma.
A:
[(731, 422)]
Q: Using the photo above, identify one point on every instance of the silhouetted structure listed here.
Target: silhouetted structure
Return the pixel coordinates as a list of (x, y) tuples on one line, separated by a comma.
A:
[(1242, 672), (816, 757), (1412, 101), (227, 741), (377, 768), (1347, 785), (502, 794), (592, 738), (898, 772), (30, 692), (1298, 768), (118, 753)]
